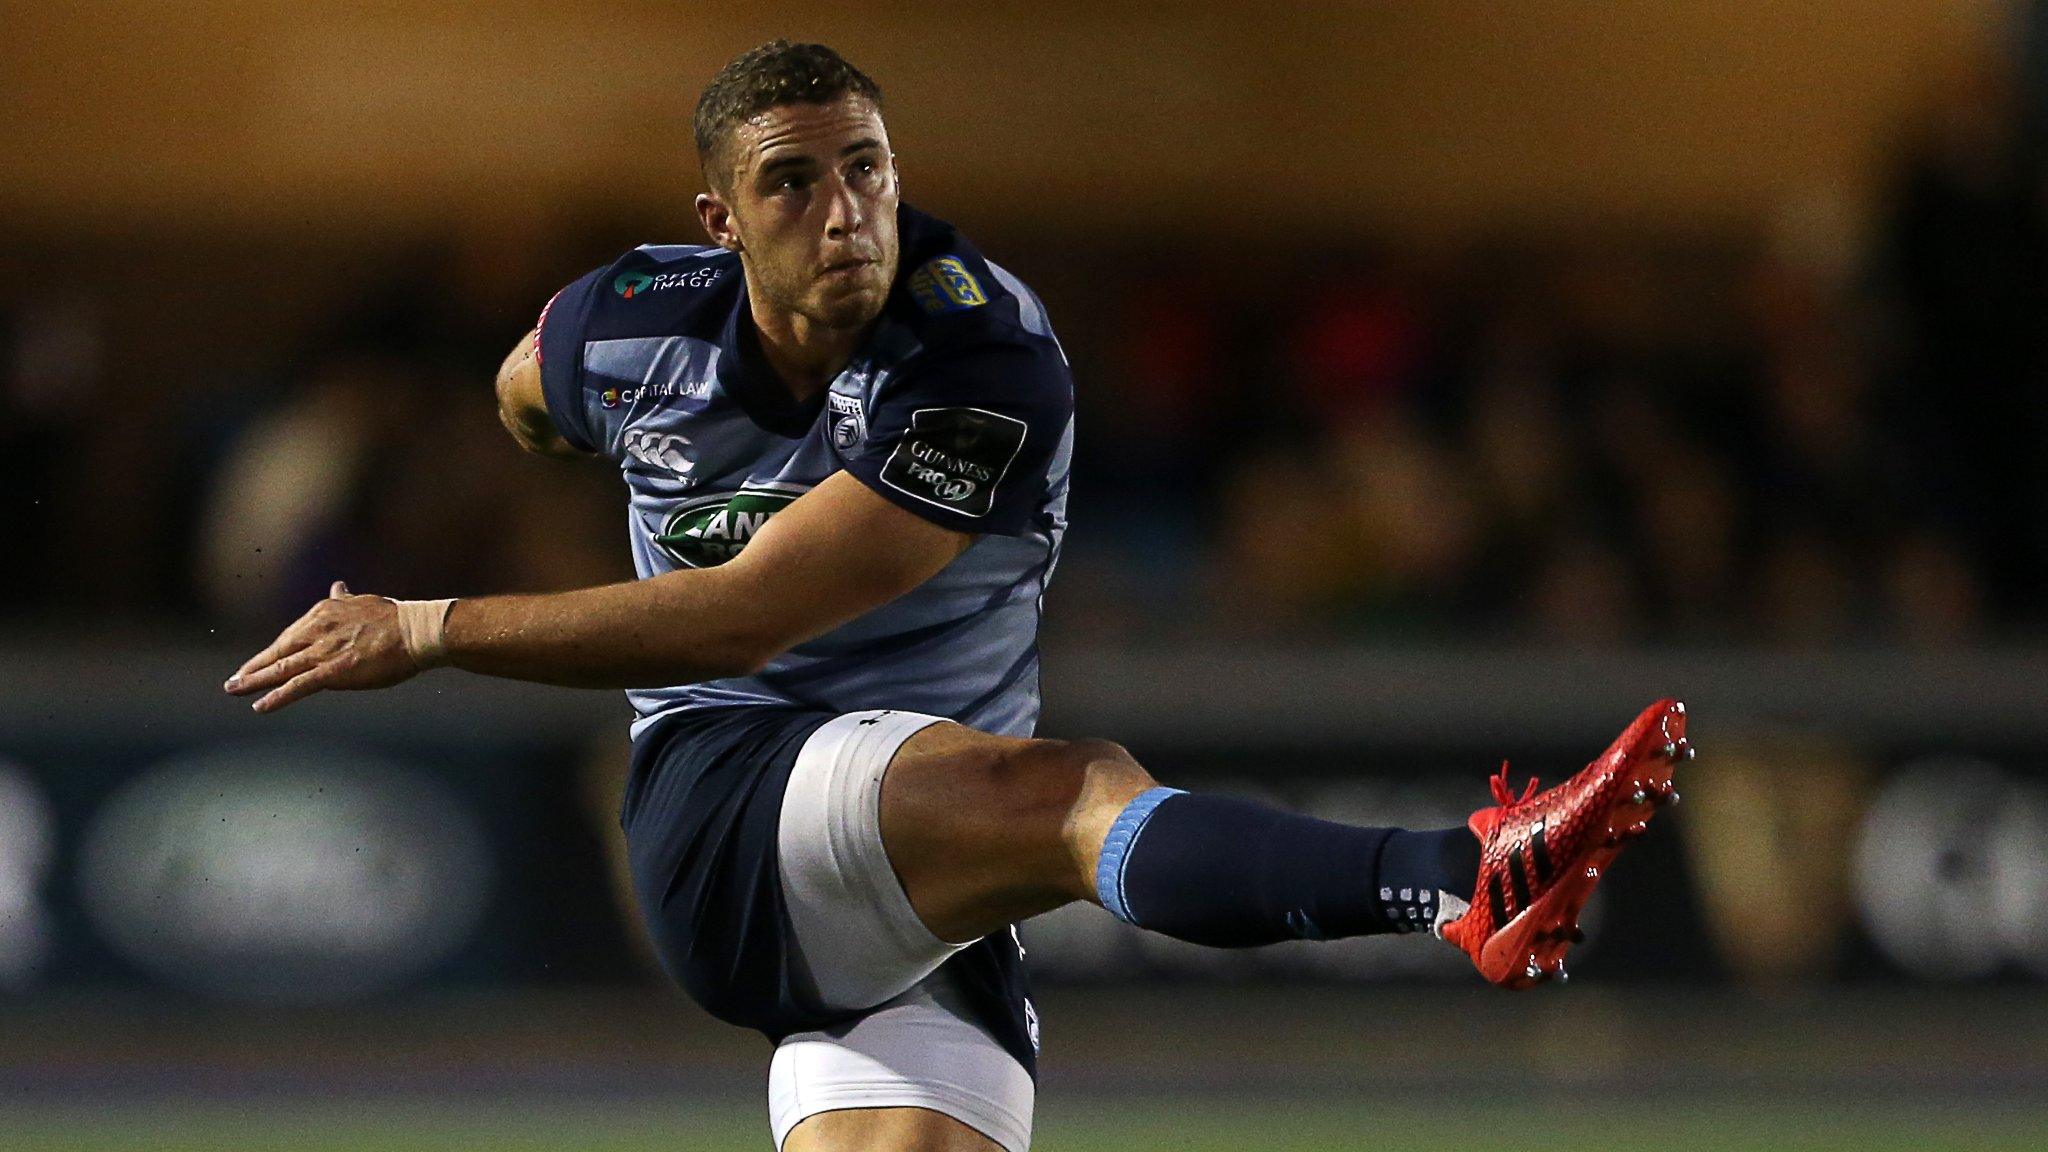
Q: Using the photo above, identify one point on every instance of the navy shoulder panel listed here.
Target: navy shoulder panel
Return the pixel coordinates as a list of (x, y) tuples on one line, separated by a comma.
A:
[(949, 296), (665, 290), (967, 429), (653, 290)]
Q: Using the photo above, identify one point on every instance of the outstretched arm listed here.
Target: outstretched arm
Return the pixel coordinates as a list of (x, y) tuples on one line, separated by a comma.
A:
[(834, 554)]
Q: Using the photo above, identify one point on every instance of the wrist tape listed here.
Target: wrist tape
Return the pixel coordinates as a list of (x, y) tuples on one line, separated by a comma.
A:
[(419, 627)]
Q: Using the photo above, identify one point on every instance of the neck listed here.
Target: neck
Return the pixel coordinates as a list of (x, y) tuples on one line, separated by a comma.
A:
[(805, 354)]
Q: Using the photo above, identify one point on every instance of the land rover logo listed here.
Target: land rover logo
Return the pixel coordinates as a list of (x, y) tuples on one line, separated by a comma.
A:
[(708, 531)]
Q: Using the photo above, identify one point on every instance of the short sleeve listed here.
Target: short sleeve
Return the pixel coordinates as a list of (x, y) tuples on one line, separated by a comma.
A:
[(560, 345), (967, 439)]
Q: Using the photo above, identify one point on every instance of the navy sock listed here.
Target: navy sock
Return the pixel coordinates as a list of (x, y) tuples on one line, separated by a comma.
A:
[(1230, 873)]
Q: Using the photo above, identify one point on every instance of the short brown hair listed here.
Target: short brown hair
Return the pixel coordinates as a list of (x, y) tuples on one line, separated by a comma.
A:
[(775, 74)]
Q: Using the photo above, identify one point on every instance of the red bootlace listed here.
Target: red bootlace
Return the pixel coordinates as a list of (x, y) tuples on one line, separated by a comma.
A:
[(1504, 793)]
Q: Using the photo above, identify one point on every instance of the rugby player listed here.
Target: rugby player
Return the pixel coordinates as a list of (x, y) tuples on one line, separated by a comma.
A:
[(845, 434)]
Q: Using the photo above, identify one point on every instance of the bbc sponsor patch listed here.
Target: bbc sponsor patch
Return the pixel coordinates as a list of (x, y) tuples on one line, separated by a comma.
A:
[(955, 457), (945, 285)]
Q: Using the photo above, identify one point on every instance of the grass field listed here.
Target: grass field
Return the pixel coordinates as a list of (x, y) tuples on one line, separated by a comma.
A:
[(1127, 1070), (1181, 1125)]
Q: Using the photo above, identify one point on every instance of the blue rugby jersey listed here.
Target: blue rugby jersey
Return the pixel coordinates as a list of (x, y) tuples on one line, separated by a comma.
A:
[(958, 408)]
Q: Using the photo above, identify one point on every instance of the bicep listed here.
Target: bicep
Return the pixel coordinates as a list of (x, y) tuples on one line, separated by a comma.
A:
[(523, 405), (971, 439), (836, 553)]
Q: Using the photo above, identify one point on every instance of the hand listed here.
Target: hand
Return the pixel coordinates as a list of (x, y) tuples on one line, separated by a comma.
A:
[(346, 642)]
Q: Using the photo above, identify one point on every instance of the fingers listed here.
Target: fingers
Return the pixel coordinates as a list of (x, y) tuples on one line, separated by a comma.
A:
[(346, 641), (293, 639), (297, 688), (273, 674)]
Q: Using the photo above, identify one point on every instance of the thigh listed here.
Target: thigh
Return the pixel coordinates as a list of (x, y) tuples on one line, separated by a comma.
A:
[(701, 820), (919, 1072), (856, 941), (855, 938), (886, 1130), (984, 831)]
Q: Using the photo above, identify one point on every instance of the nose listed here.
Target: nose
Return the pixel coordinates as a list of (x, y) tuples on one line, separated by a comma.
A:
[(843, 214)]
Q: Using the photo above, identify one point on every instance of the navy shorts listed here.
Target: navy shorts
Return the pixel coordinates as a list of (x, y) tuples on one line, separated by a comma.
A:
[(703, 804)]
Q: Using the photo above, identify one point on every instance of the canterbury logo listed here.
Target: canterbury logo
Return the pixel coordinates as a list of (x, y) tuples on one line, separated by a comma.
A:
[(660, 450)]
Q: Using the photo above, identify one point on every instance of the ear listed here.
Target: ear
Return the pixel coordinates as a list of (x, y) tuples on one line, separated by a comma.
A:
[(718, 223)]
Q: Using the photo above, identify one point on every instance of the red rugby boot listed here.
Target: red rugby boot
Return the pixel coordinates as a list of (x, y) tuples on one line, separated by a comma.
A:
[(1541, 855)]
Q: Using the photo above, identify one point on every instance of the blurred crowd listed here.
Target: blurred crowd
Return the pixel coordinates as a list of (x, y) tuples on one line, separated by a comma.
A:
[(1824, 429)]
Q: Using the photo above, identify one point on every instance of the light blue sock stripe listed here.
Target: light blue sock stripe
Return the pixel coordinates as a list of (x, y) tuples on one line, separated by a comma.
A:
[(1109, 867)]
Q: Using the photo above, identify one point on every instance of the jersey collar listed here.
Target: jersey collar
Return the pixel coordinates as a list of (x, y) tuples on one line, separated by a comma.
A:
[(745, 375)]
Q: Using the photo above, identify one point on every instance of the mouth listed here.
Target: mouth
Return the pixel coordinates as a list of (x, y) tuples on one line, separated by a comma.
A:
[(849, 267)]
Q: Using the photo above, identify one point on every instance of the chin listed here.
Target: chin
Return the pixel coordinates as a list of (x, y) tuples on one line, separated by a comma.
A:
[(851, 309)]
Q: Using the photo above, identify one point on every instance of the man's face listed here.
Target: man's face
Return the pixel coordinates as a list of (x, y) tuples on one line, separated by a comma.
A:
[(810, 204)]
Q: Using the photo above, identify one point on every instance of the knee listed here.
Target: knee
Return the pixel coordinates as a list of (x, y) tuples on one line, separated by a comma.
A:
[(996, 791), (1057, 778), (1097, 757)]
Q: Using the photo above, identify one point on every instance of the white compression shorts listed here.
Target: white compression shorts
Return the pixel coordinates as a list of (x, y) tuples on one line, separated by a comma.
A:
[(859, 944)]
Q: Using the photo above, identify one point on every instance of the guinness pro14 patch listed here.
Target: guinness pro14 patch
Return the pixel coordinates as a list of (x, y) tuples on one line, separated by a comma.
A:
[(955, 457)]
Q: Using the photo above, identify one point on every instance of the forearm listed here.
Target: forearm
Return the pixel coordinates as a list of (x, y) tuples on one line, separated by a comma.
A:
[(675, 629), (533, 431), (835, 553)]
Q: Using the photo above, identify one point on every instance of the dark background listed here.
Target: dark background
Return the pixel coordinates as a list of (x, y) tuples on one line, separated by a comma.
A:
[(1453, 380)]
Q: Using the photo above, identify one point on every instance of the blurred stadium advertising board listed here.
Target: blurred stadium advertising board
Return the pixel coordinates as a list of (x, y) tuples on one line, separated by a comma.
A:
[(1858, 816)]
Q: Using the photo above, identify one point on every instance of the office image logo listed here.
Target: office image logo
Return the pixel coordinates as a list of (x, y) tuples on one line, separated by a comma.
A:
[(632, 285)]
